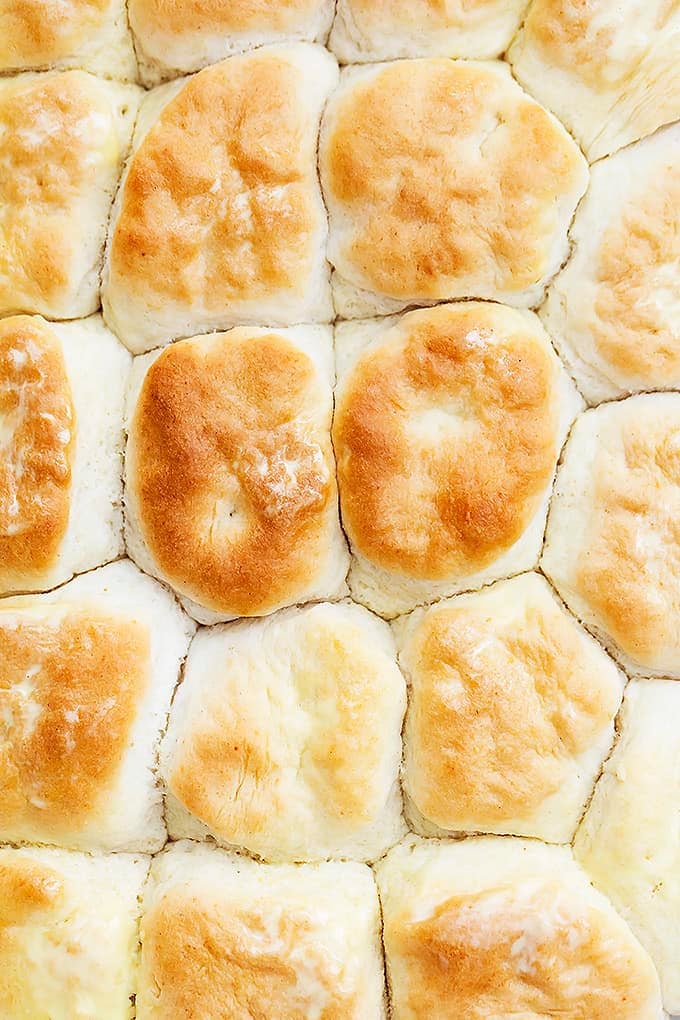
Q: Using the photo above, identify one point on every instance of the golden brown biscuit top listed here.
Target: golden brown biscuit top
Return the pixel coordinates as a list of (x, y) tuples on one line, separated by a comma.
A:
[(587, 37), (205, 16), (304, 749), (232, 471), (430, 13), (497, 713), (220, 202), (529, 951), (628, 568), (57, 132), (262, 961), (37, 432), (27, 889), (70, 682), (445, 437), (36, 33), (446, 170), (638, 292)]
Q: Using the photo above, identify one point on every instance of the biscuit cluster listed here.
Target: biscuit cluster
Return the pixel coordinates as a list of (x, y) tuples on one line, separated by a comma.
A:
[(339, 509)]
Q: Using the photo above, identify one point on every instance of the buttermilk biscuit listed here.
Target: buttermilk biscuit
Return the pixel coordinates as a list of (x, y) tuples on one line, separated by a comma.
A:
[(68, 934), (366, 30), (184, 35), (447, 430), (230, 477), (443, 179), (615, 310), (63, 139), (62, 394), (220, 220), (86, 677), (511, 713), (608, 68), (629, 842), (224, 938), (613, 537), (285, 736), (491, 928), (88, 34)]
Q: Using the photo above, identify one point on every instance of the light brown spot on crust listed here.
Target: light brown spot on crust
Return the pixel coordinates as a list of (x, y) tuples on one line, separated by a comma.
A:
[(636, 328), (445, 437), (26, 889), (69, 690), (530, 951), (37, 430), (37, 33), (259, 963), (207, 16), (627, 570), (232, 471), (220, 203), (498, 710), (444, 180), (431, 14)]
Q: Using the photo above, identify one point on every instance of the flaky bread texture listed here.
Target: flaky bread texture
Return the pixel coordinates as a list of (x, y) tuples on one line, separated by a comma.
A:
[(628, 840), (63, 139), (69, 923), (493, 927), (447, 430), (275, 940), (62, 394), (86, 678), (285, 737), (219, 220), (511, 713)]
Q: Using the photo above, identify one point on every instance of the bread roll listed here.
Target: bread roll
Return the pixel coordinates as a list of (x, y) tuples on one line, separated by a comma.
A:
[(223, 937), (220, 220), (230, 477), (89, 34), (63, 139), (628, 840), (497, 928), (447, 429), (68, 934), (285, 736), (86, 677), (366, 30), (612, 542), (62, 393), (511, 713), (185, 35), (608, 69), (614, 310), (443, 179)]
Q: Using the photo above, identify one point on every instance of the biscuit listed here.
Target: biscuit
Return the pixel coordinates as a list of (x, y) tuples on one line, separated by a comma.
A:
[(86, 677), (614, 310), (447, 429), (628, 841), (613, 539), (63, 139), (62, 393), (223, 936), (609, 71), (68, 934), (366, 30), (176, 37), (496, 928), (88, 34), (285, 736), (230, 476), (511, 713), (220, 220), (443, 179)]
